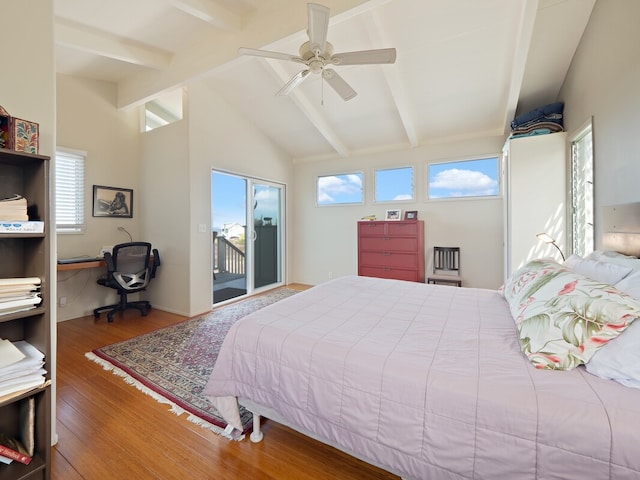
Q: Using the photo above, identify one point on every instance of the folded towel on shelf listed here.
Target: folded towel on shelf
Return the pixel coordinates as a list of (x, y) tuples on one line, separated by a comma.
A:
[(552, 112)]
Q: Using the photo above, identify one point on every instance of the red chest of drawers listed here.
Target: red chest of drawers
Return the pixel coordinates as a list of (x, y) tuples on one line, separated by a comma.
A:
[(393, 249)]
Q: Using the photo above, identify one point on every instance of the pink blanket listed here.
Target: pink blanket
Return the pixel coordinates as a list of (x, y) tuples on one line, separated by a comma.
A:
[(427, 381)]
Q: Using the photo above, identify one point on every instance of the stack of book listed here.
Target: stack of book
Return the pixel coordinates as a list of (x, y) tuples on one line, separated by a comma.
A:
[(21, 368), (12, 449), (18, 294), (20, 448), (13, 208)]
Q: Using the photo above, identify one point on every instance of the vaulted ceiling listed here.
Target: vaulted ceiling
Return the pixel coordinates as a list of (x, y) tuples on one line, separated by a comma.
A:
[(464, 68)]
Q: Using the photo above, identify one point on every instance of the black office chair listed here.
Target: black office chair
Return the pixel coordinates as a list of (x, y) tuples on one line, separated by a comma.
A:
[(446, 266), (130, 268)]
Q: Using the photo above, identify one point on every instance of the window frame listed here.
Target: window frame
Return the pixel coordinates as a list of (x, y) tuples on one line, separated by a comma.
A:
[(578, 177), (336, 204), (403, 200), (78, 225), (163, 110), (493, 156)]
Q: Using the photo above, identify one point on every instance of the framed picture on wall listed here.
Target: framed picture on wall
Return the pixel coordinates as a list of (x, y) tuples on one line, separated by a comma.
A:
[(112, 202), (393, 215)]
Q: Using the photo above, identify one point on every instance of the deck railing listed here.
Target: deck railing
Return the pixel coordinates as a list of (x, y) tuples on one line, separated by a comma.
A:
[(227, 258)]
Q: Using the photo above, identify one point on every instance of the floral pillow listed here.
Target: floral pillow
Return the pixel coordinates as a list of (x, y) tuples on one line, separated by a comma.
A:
[(563, 317), (527, 280)]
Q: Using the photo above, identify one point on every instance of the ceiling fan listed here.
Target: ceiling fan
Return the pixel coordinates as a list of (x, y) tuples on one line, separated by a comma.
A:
[(317, 54)]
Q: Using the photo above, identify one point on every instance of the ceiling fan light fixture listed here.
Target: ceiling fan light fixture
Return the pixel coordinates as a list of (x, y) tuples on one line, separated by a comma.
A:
[(317, 53), (316, 66)]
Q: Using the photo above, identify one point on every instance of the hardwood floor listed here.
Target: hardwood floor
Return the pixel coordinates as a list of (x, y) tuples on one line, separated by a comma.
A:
[(107, 429)]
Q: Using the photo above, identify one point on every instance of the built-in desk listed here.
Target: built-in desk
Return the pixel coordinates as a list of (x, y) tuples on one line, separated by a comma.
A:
[(90, 263)]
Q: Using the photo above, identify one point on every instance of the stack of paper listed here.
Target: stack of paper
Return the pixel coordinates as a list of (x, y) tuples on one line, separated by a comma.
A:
[(13, 208), (17, 294), (21, 367)]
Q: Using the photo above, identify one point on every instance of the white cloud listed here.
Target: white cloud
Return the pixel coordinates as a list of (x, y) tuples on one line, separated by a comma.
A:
[(331, 186), (464, 183)]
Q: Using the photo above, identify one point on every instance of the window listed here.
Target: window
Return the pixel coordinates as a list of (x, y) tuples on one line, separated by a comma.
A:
[(163, 110), (70, 193), (339, 189), (394, 184), (582, 191), (465, 178)]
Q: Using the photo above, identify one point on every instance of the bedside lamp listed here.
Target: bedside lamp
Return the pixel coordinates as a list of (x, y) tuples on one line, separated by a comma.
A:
[(547, 239)]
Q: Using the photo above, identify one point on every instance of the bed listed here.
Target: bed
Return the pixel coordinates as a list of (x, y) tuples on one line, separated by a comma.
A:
[(439, 382)]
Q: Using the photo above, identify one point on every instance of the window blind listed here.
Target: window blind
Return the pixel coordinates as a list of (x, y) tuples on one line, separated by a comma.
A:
[(70, 193)]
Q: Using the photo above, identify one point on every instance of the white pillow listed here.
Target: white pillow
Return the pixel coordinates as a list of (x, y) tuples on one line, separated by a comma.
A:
[(572, 261), (615, 257), (630, 285), (605, 272), (604, 255), (619, 359)]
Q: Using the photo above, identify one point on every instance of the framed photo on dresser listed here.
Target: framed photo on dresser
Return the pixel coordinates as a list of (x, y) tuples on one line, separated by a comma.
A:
[(393, 215)]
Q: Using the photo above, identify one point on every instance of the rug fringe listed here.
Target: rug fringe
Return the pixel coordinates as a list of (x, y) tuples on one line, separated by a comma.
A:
[(174, 408)]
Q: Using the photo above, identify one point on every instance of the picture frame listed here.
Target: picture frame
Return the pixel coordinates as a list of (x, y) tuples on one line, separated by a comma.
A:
[(411, 215), (395, 214), (112, 202)]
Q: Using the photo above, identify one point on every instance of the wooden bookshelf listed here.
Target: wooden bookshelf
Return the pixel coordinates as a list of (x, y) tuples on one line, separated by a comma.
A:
[(28, 255)]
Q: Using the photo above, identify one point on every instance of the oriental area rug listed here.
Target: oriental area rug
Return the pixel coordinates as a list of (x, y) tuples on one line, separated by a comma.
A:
[(173, 364)]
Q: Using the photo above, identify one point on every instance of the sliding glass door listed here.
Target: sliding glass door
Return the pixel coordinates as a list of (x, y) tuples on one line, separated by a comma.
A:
[(248, 231), (267, 234)]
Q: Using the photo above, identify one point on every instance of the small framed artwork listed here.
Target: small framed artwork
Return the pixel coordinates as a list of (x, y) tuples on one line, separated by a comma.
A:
[(411, 215), (393, 215), (112, 202)]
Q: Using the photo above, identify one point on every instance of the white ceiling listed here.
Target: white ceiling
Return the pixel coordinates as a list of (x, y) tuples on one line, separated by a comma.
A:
[(463, 70)]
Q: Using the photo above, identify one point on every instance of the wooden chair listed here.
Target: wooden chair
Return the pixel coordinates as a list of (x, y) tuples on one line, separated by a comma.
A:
[(446, 266)]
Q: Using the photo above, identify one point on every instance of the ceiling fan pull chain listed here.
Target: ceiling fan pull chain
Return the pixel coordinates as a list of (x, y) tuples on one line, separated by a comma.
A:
[(321, 90)]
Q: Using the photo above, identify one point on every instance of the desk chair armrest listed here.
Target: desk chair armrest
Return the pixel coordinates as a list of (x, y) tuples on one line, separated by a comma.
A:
[(156, 262), (108, 258)]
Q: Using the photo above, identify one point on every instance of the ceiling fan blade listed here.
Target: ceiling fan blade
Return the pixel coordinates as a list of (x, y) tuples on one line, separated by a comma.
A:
[(338, 83), (318, 26), (296, 80), (365, 57), (268, 54)]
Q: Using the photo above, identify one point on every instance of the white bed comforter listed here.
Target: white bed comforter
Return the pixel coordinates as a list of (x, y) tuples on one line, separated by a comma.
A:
[(427, 381)]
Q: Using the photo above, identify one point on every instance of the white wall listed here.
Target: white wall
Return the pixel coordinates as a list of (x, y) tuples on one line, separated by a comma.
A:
[(176, 187), (604, 82), (324, 238), (27, 83), (164, 209), (87, 119)]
